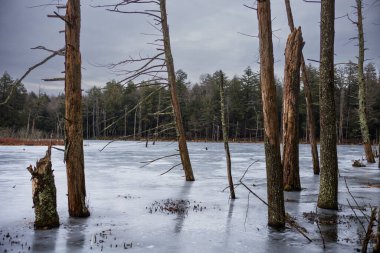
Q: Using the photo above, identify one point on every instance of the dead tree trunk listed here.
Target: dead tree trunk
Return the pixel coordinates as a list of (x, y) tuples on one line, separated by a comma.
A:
[(74, 157), (184, 153), (276, 214), (290, 117), (44, 194), (362, 88), (328, 190), (308, 98), (225, 136)]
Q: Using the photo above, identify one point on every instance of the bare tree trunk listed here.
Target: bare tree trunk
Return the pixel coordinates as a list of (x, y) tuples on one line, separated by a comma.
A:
[(105, 123), (362, 88), (184, 153), (44, 193), (341, 116), (134, 125), (237, 130), (225, 136), (97, 129), (276, 210), (93, 122), (139, 131), (27, 126), (74, 157), (157, 118), (125, 120), (290, 117), (328, 190), (308, 98)]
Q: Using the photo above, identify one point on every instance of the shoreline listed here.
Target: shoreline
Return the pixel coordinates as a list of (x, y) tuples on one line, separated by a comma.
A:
[(60, 142)]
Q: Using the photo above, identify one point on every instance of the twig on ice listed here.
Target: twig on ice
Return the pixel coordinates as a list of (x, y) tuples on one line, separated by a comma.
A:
[(352, 196)]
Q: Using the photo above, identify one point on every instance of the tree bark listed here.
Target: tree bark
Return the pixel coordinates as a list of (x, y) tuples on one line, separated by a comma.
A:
[(328, 190), (290, 117), (276, 212), (362, 88), (184, 153), (74, 157), (44, 193), (225, 136), (308, 98)]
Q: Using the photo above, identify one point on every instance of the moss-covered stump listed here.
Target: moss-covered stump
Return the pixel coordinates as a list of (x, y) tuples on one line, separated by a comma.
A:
[(44, 193)]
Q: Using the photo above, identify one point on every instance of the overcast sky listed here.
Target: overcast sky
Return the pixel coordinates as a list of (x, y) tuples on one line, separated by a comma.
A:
[(205, 36)]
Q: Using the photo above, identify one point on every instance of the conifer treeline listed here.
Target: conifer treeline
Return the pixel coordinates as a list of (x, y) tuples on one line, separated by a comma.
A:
[(140, 111)]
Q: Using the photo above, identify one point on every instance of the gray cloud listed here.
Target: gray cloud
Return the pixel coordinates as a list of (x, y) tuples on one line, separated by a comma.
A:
[(205, 37)]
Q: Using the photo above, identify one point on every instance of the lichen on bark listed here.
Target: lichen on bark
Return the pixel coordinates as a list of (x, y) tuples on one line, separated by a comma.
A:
[(44, 193)]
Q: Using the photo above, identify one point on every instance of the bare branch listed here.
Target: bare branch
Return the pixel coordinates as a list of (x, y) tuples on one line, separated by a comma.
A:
[(17, 82), (135, 12), (56, 79), (171, 169), (154, 160)]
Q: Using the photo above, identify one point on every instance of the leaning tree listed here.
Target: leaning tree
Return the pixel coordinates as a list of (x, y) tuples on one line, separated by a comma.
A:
[(362, 86), (158, 69)]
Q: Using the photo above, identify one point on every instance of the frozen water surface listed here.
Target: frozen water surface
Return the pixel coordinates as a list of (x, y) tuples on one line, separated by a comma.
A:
[(123, 197)]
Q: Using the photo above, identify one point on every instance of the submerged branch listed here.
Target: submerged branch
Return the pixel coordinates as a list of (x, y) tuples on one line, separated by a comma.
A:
[(171, 169), (154, 160)]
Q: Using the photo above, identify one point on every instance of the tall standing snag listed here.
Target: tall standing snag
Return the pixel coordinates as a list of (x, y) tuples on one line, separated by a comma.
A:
[(225, 135), (328, 190), (290, 117), (362, 88), (184, 153), (276, 214), (308, 98), (74, 156), (44, 193)]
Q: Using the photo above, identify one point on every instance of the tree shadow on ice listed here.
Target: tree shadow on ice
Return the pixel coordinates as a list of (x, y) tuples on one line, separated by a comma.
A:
[(183, 194), (44, 240), (76, 236)]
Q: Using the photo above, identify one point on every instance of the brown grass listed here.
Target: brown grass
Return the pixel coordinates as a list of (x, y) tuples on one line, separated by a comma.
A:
[(30, 142)]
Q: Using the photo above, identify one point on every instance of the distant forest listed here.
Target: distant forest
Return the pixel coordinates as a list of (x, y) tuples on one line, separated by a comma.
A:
[(144, 110)]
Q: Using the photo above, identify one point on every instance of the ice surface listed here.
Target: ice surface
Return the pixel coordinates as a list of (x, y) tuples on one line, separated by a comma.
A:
[(120, 193)]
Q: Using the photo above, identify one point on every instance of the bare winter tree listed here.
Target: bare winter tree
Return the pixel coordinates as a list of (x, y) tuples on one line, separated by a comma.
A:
[(225, 134), (328, 190), (276, 212), (74, 156), (362, 87), (308, 98), (290, 158), (154, 68)]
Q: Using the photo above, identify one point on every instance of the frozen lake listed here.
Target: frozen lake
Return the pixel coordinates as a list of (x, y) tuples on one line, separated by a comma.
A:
[(122, 195)]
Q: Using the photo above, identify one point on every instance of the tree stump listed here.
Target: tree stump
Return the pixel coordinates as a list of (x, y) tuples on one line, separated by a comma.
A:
[(44, 193)]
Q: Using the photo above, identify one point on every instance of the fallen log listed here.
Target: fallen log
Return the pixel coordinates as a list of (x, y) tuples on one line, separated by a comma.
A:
[(44, 193)]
